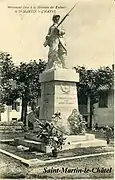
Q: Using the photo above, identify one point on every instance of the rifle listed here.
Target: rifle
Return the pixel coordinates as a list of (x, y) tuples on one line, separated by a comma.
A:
[(48, 38), (66, 15)]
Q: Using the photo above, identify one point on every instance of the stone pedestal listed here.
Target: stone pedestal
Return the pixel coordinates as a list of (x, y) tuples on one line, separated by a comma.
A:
[(59, 94)]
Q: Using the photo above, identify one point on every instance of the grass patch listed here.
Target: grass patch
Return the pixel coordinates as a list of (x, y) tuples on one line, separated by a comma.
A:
[(61, 154)]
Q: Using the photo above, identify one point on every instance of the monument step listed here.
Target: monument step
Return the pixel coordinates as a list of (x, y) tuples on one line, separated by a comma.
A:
[(31, 136), (41, 147), (77, 138), (88, 143), (70, 138), (33, 145)]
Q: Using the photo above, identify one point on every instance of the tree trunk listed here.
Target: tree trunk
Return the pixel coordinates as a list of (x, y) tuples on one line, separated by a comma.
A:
[(8, 113), (91, 114), (24, 110), (25, 113)]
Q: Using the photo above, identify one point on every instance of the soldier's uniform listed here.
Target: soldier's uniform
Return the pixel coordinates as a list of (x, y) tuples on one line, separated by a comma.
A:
[(57, 47)]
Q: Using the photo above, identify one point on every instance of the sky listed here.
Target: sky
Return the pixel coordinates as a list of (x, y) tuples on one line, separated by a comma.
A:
[(89, 31)]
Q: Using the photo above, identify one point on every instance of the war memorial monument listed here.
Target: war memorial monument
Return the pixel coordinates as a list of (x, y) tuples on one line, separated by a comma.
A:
[(59, 116), (59, 92)]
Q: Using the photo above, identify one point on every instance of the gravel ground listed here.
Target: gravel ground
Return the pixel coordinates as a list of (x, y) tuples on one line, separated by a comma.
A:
[(10, 168), (88, 163)]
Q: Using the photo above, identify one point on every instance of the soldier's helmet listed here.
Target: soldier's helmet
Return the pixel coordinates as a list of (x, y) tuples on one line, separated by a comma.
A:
[(56, 17)]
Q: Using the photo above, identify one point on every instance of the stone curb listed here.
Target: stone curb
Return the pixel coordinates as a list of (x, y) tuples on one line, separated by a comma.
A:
[(37, 162), (77, 157), (6, 140)]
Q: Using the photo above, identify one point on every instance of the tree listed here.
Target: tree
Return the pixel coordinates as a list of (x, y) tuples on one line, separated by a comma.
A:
[(91, 81), (7, 73), (27, 83), (20, 81)]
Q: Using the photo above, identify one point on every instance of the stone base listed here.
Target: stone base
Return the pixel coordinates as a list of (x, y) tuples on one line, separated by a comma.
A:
[(71, 142), (59, 74), (59, 94), (78, 138), (77, 141), (34, 145), (90, 143)]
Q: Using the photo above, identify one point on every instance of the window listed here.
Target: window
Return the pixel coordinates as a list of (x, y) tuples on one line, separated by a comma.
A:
[(15, 106), (18, 107), (14, 119), (103, 99)]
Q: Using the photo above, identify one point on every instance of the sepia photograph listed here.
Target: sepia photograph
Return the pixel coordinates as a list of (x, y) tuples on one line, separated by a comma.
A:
[(57, 89)]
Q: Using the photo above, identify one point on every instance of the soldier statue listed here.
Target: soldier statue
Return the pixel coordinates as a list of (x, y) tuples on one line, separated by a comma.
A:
[(57, 47)]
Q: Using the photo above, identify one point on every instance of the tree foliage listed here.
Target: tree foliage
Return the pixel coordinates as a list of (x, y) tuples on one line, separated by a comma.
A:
[(27, 83), (27, 78), (91, 82), (92, 79), (20, 81), (6, 73)]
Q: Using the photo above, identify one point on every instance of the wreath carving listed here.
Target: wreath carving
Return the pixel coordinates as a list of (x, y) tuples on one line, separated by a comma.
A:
[(65, 88)]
